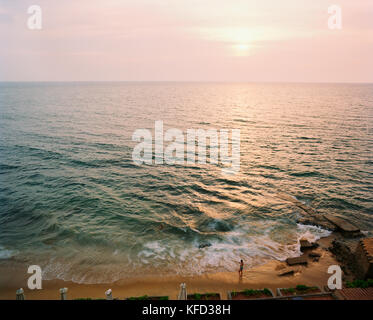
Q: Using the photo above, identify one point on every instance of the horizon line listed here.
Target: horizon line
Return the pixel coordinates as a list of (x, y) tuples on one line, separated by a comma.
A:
[(184, 81)]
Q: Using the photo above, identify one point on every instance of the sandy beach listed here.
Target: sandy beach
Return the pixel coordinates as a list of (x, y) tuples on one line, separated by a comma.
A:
[(264, 276)]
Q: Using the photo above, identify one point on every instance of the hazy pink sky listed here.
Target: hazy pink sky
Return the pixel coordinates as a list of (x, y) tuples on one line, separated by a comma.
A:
[(187, 40)]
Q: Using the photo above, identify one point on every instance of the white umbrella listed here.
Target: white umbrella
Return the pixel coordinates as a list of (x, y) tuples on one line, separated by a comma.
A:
[(183, 292), (109, 295), (63, 293)]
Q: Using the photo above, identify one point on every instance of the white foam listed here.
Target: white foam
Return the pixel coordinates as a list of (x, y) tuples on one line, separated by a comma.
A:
[(6, 254), (312, 233), (250, 243), (256, 245)]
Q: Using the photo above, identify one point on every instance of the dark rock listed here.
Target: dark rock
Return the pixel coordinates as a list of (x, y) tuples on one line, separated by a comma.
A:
[(364, 258), (306, 245), (204, 245), (310, 216), (341, 251), (297, 260), (316, 259), (344, 256), (318, 221), (314, 255), (286, 272), (345, 227)]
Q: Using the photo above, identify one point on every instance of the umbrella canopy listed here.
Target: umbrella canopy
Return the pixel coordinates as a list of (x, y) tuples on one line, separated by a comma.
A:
[(182, 292)]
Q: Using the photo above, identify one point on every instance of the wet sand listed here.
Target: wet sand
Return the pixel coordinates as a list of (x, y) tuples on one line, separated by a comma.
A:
[(264, 276)]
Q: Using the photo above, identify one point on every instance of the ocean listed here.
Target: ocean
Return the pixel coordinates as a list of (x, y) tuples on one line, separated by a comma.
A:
[(73, 201)]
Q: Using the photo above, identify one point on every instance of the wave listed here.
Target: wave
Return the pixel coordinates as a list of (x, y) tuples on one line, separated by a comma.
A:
[(164, 257), (6, 254)]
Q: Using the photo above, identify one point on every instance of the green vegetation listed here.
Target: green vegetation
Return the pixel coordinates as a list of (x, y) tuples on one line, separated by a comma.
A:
[(253, 292), (302, 287), (267, 292), (299, 288), (87, 299), (288, 290), (360, 283), (145, 297), (211, 295), (200, 296)]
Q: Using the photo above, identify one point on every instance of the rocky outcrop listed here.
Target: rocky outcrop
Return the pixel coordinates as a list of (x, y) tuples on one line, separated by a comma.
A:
[(345, 256), (364, 259), (343, 226), (297, 260), (305, 245)]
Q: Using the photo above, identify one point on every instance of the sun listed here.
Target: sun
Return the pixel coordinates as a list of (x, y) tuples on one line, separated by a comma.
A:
[(241, 49), (243, 46)]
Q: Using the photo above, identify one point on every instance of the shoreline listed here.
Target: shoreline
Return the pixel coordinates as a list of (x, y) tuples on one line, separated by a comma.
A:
[(259, 277)]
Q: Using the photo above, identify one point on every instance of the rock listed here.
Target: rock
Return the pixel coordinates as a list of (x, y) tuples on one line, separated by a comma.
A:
[(297, 260), (344, 256), (314, 255), (316, 259), (311, 217), (364, 258), (204, 245), (318, 221), (345, 227), (286, 272), (341, 251), (306, 245)]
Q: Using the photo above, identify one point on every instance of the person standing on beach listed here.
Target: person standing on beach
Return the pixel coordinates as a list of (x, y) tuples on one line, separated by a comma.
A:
[(241, 269)]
